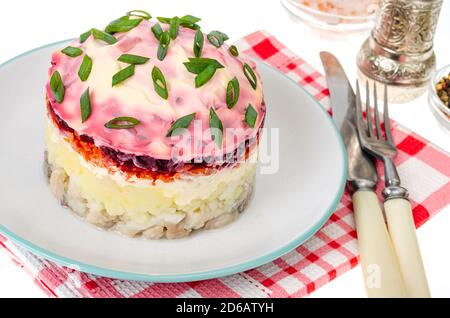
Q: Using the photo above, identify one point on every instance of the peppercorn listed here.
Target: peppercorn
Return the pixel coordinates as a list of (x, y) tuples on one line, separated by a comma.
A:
[(443, 90)]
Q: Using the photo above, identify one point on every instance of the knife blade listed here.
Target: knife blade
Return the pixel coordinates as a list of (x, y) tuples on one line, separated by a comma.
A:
[(361, 169)]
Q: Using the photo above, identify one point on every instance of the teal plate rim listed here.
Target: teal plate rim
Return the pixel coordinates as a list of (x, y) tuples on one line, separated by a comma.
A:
[(178, 278)]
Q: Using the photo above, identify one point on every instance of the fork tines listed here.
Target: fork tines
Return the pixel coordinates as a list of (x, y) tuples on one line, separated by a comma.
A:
[(365, 127)]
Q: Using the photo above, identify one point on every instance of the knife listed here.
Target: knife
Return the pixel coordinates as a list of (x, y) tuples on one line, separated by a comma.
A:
[(378, 260)]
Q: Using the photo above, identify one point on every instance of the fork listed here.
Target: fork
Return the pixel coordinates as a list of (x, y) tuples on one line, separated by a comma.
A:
[(396, 205)]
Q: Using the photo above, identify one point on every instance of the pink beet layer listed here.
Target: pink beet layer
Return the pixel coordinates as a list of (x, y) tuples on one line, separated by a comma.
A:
[(137, 98)]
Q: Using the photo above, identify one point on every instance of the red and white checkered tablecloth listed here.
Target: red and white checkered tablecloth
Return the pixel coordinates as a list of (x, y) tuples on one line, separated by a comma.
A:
[(424, 168)]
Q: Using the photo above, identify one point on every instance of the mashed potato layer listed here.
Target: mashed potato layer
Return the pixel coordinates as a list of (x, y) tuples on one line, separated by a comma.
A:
[(140, 207)]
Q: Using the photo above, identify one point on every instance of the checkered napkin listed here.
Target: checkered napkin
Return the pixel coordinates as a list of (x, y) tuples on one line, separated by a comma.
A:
[(424, 168)]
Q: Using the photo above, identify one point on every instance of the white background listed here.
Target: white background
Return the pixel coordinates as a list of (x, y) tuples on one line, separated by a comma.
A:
[(25, 25)]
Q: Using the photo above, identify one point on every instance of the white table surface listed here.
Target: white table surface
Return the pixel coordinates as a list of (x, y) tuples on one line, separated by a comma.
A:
[(29, 24)]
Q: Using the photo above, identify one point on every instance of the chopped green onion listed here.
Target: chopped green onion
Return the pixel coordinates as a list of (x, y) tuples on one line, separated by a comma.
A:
[(190, 25), (187, 21), (205, 69), (251, 76), (174, 26), (157, 31), (233, 50), (197, 65), (217, 38), (190, 19), (164, 42), (133, 59), (179, 125), (85, 68), (164, 20), (103, 36), (202, 78), (250, 116), (57, 87), (123, 24), (216, 127), (159, 83), (140, 13), (85, 35), (122, 123), (85, 105), (198, 43), (123, 74), (232, 92), (72, 51), (214, 40)]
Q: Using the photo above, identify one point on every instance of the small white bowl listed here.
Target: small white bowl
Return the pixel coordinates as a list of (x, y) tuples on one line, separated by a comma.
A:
[(330, 21), (439, 110)]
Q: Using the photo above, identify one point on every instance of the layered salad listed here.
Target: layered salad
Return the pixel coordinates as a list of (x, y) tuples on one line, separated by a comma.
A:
[(152, 126)]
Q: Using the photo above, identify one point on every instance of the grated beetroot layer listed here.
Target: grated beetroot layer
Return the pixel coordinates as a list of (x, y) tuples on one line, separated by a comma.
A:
[(146, 166)]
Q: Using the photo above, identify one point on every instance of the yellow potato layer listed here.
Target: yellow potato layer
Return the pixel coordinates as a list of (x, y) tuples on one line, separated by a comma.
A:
[(140, 200)]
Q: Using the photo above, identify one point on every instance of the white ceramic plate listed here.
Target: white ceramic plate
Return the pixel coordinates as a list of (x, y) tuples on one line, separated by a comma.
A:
[(288, 206)]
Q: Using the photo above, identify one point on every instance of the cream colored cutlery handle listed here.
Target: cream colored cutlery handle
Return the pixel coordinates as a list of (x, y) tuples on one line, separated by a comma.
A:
[(403, 234), (380, 268)]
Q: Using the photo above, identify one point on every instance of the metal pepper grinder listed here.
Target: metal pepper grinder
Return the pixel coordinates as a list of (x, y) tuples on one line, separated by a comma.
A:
[(399, 51)]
